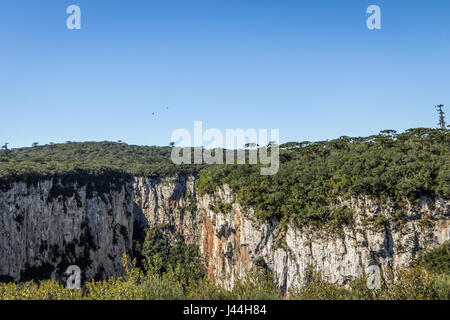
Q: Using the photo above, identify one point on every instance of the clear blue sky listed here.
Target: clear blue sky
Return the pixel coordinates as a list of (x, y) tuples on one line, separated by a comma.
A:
[(310, 68)]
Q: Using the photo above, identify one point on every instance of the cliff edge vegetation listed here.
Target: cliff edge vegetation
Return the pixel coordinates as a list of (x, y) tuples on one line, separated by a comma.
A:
[(313, 178)]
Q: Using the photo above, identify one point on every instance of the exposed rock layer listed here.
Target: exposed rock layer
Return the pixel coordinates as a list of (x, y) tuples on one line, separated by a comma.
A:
[(43, 232)]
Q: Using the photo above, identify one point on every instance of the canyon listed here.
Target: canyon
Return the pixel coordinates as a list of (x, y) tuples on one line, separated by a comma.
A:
[(50, 224)]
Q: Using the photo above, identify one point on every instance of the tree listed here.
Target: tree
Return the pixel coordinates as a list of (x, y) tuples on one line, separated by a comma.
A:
[(441, 116), (5, 146), (290, 145), (35, 144), (172, 144), (164, 242), (251, 145), (388, 133), (272, 144)]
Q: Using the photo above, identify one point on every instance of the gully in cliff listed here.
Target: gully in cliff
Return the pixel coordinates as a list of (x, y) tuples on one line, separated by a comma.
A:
[(209, 147)]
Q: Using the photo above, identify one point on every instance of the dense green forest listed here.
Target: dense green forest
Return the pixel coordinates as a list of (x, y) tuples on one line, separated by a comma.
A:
[(81, 158), (312, 176), (305, 192)]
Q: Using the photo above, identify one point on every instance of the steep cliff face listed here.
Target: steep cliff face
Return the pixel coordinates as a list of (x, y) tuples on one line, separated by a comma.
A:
[(48, 226), (168, 201), (42, 231), (234, 240)]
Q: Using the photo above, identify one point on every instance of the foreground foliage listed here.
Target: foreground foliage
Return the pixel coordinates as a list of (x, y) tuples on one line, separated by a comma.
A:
[(437, 260), (414, 284)]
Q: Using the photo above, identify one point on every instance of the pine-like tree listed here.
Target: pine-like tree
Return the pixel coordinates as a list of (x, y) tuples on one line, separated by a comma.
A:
[(5, 146), (441, 116)]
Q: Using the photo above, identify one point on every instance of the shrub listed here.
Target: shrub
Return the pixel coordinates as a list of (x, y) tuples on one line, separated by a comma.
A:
[(437, 260)]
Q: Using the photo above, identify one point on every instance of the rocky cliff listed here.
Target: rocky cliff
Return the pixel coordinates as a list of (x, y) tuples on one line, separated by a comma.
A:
[(234, 240), (49, 225)]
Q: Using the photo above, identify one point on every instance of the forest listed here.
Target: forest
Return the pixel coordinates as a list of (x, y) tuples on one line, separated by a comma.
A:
[(313, 176)]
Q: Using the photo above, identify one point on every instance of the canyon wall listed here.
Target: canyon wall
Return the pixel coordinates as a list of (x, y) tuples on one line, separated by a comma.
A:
[(234, 240), (47, 226), (42, 232)]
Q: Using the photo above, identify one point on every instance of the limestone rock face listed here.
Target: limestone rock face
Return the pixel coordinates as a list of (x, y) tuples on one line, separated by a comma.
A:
[(48, 226), (43, 232), (234, 240), (168, 201)]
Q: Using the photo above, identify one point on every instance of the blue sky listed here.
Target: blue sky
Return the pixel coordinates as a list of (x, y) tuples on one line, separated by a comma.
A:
[(309, 68)]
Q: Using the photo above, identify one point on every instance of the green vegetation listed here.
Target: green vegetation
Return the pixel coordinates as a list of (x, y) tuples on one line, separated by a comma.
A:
[(413, 284), (165, 276), (151, 283), (313, 177), (222, 207), (428, 279), (307, 190), (137, 285), (166, 268), (441, 112), (437, 260), (87, 159), (164, 245)]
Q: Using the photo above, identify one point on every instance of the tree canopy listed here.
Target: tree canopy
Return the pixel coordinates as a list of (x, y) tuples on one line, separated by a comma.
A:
[(313, 176), (311, 179)]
